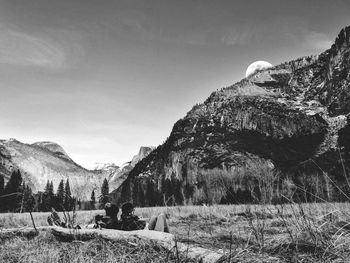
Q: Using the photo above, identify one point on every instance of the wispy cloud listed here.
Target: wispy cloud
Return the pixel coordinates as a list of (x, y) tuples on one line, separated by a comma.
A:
[(20, 48), (310, 39), (319, 41), (241, 35), (199, 35)]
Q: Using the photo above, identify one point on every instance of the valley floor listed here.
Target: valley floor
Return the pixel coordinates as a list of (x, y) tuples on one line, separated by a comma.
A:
[(318, 232)]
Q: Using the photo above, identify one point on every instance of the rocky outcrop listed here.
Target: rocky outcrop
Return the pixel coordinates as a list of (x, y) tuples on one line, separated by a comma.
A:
[(108, 170), (143, 152), (286, 117), (119, 176), (54, 148)]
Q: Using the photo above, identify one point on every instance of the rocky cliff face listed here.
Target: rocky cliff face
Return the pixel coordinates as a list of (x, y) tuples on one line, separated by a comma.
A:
[(119, 176), (109, 170), (54, 148), (43, 161), (289, 117)]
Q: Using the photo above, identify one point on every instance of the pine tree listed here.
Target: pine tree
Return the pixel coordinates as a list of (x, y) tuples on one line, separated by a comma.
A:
[(60, 195), (29, 200), (15, 182), (41, 202), (92, 200), (68, 197), (47, 198), (176, 186), (2, 184), (51, 190), (47, 187), (150, 194), (104, 198), (51, 196), (22, 197), (14, 189)]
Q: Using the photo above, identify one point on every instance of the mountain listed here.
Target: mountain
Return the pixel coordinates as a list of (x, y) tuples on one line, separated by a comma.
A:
[(120, 175), (290, 121), (109, 170), (43, 161), (107, 167), (115, 174)]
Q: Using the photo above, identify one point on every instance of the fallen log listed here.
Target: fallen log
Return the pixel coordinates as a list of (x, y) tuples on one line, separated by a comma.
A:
[(166, 240)]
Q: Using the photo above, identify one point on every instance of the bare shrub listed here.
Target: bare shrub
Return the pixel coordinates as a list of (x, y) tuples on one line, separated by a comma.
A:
[(256, 182)]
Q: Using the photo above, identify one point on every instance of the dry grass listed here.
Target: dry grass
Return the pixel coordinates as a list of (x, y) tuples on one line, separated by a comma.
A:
[(289, 233), (45, 248)]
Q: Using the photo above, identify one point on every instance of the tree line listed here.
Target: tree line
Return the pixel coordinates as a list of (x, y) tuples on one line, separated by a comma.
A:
[(62, 200), (16, 196), (256, 183)]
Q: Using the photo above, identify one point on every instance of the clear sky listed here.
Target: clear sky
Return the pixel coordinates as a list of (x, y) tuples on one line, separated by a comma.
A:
[(104, 77)]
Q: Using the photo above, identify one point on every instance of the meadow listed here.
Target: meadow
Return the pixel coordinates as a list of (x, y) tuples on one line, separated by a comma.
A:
[(312, 232)]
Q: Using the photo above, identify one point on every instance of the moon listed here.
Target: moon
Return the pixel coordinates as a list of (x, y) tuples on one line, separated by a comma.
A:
[(257, 65)]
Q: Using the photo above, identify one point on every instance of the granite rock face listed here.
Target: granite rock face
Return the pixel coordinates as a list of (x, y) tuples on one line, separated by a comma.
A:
[(288, 117), (43, 161), (119, 176)]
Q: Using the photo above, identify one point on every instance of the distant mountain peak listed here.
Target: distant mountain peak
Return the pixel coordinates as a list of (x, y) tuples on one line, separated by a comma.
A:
[(53, 147), (119, 176), (104, 166)]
